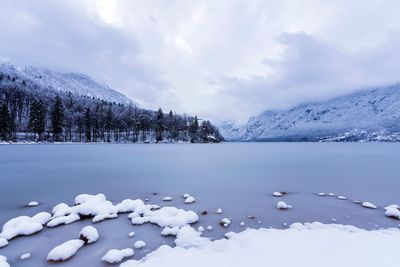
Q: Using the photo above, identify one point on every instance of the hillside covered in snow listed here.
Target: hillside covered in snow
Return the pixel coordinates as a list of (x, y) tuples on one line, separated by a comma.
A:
[(75, 83), (369, 115)]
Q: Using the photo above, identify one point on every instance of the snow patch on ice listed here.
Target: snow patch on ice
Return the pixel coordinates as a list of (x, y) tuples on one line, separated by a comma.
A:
[(24, 225), (393, 211), (65, 251), (139, 244), (369, 205), (165, 217), (3, 261), (25, 256), (3, 242), (283, 206), (33, 204), (117, 255)]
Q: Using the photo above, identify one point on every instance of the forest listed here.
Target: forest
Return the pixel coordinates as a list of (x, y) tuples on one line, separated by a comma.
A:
[(29, 113)]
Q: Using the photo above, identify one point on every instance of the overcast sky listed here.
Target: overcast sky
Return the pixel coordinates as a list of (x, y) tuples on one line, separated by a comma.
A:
[(220, 59)]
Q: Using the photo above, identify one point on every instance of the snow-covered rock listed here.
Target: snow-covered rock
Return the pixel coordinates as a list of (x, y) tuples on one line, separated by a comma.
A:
[(225, 222), (277, 194), (165, 217), (283, 206), (25, 256), (186, 195), (3, 261), (117, 255), (342, 197), (167, 199), (210, 228), (131, 234), (321, 194), (218, 211), (24, 225), (369, 205), (190, 200), (89, 234), (3, 242), (367, 115), (65, 251), (242, 224), (393, 211), (308, 245), (33, 204), (139, 244)]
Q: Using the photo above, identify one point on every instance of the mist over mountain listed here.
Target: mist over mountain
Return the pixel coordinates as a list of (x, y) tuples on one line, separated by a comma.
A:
[(368, 115)]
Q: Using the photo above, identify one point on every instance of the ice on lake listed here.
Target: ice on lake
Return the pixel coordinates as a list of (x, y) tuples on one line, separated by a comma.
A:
[(239, 178)]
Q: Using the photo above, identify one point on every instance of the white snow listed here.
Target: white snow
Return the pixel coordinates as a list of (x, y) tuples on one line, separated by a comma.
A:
[(3, 242), (200, 229), (331, 194), (209, 228), (170, 231), (186, 195), (25, 256), (167, 199), (393, 211), (33, 204), (321, 194), (24, 225), (242, 224), (277, 194), (311, 245), (67, 219), (164, 217), (3, 261), (218, 211), (131, 234), (89, 234), (65, 251), (117, 255), (139, 244), (369, 205), (188, 237), (190, 200), (342, 197), (283, 206), (225, 222)]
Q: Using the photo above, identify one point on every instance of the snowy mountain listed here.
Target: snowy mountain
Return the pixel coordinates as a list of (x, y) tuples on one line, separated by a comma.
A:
[(369, 115), (79, 84)]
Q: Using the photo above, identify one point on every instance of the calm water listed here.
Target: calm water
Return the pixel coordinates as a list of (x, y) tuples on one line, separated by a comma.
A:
[(237, 177)]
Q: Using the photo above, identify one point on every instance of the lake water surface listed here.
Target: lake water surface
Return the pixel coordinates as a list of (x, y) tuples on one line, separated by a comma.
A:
[(237, 177)]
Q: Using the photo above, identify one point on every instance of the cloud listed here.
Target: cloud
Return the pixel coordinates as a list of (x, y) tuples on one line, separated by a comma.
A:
[(223, 60)]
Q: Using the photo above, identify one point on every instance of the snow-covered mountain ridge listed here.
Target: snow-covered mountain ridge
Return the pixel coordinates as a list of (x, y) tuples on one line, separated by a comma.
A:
[(369, 115), (75, 83)]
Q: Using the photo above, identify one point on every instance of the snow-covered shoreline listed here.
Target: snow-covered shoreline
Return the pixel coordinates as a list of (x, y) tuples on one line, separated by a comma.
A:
[(306, 244)]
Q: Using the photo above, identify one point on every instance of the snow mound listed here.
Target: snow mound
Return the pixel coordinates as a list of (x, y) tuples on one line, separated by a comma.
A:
[(3, 242), (3, 262), (24, 225), (188, 237), (33, 204), (167, 199), (190, 200), (25, 256), (218, 211), (164, 217), (65, 251), (173, 231), (369, 205), (131, 234), (342, 197), (117, 255), (139, 244), (282, 206), (277, 194), (89, 234), (308, 245), (67, 219), (393, 211)]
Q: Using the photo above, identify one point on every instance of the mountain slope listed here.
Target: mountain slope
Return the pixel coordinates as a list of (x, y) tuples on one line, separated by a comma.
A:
[(67, 82), (372, 115)]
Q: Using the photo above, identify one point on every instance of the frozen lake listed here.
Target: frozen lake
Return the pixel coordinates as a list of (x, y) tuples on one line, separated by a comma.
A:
[(237, 177)]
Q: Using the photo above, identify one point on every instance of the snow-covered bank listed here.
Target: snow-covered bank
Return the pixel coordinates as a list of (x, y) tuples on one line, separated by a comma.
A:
[(308, 245)]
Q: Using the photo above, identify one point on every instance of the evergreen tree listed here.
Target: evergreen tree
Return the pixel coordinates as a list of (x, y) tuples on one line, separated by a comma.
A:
[(194, 130), (37, 118), (88, 125), (159, 125), (109, 123), (7, 125), (57, 119)]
